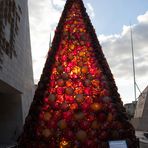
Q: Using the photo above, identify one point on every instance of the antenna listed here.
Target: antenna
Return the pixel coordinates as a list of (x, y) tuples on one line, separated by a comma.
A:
[(50, 44), (133, 60)]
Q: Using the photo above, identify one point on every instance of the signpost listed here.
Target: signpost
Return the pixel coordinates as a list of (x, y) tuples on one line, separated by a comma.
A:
[(118, 144)]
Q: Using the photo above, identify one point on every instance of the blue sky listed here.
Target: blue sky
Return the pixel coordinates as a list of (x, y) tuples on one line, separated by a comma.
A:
[(111, 19), (110, 15)]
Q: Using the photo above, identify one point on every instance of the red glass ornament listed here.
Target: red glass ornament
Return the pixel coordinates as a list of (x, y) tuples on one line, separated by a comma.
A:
[(85, 125), (74, 106), (60, 98), (52, 83), (90, 118), (69, 99), (85, 106), (104, 135), (52, 124), (60, 90), (64, 57), (102, 117), (67, 115), (69, 135), (87, 91), (90, 144), (60, 82)]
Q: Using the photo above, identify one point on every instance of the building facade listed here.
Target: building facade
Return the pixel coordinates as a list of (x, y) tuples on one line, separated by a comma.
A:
[(130, 109), (140, 120), (16, 74)]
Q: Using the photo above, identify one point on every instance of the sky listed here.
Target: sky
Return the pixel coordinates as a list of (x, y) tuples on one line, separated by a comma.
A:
[(111, 20)]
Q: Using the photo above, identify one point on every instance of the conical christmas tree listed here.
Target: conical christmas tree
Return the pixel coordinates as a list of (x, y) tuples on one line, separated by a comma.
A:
[(76, 103)]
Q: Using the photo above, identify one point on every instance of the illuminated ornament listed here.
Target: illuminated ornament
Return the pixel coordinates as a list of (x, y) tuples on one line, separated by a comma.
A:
[(75, 22), (46, 133), (69, 91), (79, 90), (69, 99), (60, 82), (70, 56), (96, 106), (60, 98), (82, 43), (62, 124), (82, 30), (47, 116), (96, 83), (60, 90), (67, 115), (95, 125), (76, 70), (90, 49), (63, 41), (67, 69), (56, 115), (64, 144), (64, 57), (69, 83), (87, 91), (52, 97), (85, 106), (72, 46), (74, 106), (81, 135), (84, 69), (81, 53), (80, 63), (79, 116), (79, 98)]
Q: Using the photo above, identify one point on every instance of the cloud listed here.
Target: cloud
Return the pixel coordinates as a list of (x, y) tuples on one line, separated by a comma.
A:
[(44, 16), (117, 49)]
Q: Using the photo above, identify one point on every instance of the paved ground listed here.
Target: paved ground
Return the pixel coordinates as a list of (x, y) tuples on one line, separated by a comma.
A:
[(143, 139), (143, 145)]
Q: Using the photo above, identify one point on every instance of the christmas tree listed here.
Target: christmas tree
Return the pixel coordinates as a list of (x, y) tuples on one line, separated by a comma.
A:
[(76, 103)]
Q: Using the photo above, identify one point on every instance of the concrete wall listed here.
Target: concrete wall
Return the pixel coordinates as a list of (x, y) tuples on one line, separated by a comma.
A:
[(140, 120), (10, 115), (18, 74)]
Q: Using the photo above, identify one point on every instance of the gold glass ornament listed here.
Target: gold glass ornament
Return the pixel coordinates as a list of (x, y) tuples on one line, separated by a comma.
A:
[(64, 144), (47, 116)]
